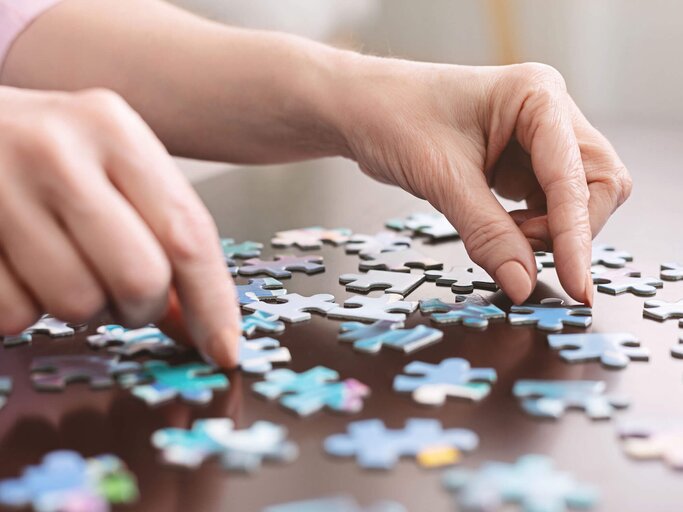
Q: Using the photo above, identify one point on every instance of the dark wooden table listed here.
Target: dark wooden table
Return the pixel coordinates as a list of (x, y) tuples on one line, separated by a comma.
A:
[(253, 204)]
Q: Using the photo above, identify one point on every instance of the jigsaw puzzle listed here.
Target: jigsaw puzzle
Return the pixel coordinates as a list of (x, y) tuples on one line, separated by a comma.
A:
[(310, 238), (258, 355), (389, 306), (431, 384), (158, 382), (242, 251), (614, 350), (654, 438), (471, 311), (47, 325), (53, 373), (463, 279), (262, 322), (551, 315), (131, 342), (293, 307), (532, 482), (616, 281), (434, 225), (371, 338), (384, 241), (238, 450), (552, 398), (66, 482), (259, 289), (282, 266), (335, 504), (662, 310), (671, 271), (308, 392), (608, 256), (376, 447), (399, 261), (544, 260), (391, 282)]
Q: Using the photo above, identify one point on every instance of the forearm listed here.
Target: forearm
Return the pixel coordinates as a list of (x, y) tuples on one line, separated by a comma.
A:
[(207, 90)]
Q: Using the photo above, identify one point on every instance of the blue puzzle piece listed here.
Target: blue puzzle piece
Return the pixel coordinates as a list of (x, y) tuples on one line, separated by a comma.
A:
[(260, 321), (611, 349), (371, 338), (470, 311), (258, 355), (532, 482), (335, 504), (551, 315), (376, 447), (259, 289), (551, 398), (131, 342), (432, 383), (242, 251)]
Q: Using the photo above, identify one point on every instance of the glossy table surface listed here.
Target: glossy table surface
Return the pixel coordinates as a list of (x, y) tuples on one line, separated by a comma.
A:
[(253, 204)]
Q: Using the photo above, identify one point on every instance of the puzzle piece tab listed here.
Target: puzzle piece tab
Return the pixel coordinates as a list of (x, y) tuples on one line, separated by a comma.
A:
[(544, 260), (431, 384), (384, 241), (434, 225), (389, 306), (258, 355), (391, 282), (551, 398), (614, 350), (47, 325), (335, 504), (242, 251), (294, 307), (671, 271), (376, 447), (310, 238), (551, 315), (53, 373), (282, 266), (259, 289), (371, 338), (662, 310), (616, 281), (399, 261), (608, 256), (654, 439), (463, 279), (471, 311), (263, 322), (131, 342)]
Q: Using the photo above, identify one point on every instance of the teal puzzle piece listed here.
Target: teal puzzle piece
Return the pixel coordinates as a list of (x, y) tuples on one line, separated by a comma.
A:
[(471, 311), (371, 338)]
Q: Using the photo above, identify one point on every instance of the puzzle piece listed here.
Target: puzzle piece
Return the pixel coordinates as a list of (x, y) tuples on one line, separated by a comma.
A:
[(53, 373), (263, 322), (376, 447), (614, 350), (259, 289), (391, 282), (389, 306), (308, 392), (372, 338), (158, 382), (47, 325), (282, 266), (335, 504), (435, 225), (384, 241), (608, 256), (662, 310), (671, 271), (293, 307), (544, 260), (463, 279), (399, 261), (551, 315), (242, 251), (626, 279), (233, 269), (131, 342), (471, 311), (654, 439), (677, 350), (5, 389), (258, 355), (430, 384), (532, 482), (66, 482), (551, 398), (238, 450), (310, 238)]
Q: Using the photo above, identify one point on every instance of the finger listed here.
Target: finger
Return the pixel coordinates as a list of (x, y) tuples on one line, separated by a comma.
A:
[(17, 308)]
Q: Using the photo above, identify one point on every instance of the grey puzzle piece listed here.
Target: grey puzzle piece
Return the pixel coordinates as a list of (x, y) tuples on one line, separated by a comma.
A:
[(294, 307), (399, 261), (282, 266), (47, 325), (463, 279), (662, 310), (671, 271), (259, 289), (615, 350), (471, 311), (435, 225), (389, 306), (616, 281), (603, 254), (551, 315), (53, 373), (258, 355), (391, 282), (384, 241), (310, 238)]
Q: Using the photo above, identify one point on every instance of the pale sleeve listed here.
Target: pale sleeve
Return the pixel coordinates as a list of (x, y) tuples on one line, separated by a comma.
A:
[(15, 16)]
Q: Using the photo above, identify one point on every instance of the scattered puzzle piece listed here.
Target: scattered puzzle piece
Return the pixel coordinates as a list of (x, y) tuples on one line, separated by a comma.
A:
[(399, 261), (544, 260), (431, 384), (308, 392), (551, 398), (615, 350), (626, 279), (5, 389), (389, 306), (158, 382), (471, 311), (677, 350), (53, 373), (258, 355), (310, 238), (335, 504), (376, 447), (371, 338), (233, 269), (608, 256), (662, 310), (435, 225), (551, 315), (294, 307), (238, 450), (242, 251), (282, 266), (259, 289), (654, 439), (532, 482), (131, 342), (263, 322), (47, 325), (463, 279), (671, 271), (391, 282), (384, 241)]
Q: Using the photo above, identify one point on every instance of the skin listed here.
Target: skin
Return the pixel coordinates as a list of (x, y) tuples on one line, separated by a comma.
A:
[(88, 125)]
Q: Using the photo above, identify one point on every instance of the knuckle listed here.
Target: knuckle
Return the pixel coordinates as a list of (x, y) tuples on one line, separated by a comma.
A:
[(105, 108), (190, 232), (542, 77), (143, 285)]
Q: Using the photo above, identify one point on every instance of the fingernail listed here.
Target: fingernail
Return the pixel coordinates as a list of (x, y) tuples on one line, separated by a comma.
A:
[(589, 288), (513, 278)]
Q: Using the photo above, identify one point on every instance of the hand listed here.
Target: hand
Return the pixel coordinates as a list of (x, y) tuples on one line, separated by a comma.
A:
[(449, 134), (95, 215)]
